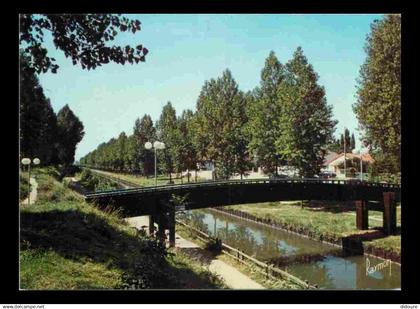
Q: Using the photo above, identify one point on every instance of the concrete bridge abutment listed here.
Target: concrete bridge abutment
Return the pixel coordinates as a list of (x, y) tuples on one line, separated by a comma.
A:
[(362, 215), (390, 213)]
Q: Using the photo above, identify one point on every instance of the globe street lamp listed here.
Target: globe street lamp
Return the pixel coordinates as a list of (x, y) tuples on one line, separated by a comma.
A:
[(27, 161), (156, 145)]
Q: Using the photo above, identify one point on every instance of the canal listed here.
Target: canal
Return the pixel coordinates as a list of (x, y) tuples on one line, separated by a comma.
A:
[(319, 263)]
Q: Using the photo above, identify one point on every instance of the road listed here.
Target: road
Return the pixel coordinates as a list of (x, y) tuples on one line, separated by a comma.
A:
[(34, 192)]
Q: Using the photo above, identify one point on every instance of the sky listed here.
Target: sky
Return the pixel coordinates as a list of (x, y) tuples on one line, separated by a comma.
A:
[(187, 50)]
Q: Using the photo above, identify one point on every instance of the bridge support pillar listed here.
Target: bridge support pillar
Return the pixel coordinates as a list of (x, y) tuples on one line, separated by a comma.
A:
[(362, 216), (161, 227), (151, 225), (390, 213), (172, 228)]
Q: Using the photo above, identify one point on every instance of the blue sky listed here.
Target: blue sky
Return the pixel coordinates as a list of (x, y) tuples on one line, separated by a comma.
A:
[(186, 50)]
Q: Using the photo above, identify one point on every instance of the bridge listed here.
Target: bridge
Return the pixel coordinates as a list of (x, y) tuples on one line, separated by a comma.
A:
[(161, 202)]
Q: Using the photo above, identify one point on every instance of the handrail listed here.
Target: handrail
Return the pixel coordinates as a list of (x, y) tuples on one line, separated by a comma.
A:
[(163, 188)]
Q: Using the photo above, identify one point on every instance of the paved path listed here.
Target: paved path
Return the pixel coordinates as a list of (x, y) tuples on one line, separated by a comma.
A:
[(231, 276), (34, 192)]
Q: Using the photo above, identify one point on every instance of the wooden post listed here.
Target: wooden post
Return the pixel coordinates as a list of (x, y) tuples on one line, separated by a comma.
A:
[(362, 216), (390, 213), (172, 228), (151, 225)]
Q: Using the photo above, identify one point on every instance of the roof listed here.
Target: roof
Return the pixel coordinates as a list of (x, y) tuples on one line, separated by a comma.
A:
[(365, 158), (329, 156)]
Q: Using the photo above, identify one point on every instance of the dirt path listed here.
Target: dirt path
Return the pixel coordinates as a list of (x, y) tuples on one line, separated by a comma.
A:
[(232, 277), (34, 192)]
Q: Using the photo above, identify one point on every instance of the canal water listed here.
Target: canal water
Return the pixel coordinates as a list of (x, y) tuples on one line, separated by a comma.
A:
[(317, 262)]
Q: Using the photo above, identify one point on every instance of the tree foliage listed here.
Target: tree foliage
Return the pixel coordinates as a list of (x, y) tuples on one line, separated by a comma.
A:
[(378, 106), (337, 145), (144, 131), (70, 133), (37, 134), (264, 114), (85, 38), (43, 134), (306, 120), (219, 125), (286, 120)]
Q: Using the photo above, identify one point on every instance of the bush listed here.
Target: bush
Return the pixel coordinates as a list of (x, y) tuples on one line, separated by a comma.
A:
[(23, 187), (91, 182)]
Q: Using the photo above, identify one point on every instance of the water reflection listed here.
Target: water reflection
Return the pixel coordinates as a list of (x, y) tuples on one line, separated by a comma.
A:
[(308, 259)]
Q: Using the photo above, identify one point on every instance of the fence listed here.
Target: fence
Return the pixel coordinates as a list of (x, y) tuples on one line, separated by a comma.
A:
[(270, 271)]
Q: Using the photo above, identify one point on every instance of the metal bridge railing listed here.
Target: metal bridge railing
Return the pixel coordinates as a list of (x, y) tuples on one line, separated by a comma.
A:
[(163, 188)]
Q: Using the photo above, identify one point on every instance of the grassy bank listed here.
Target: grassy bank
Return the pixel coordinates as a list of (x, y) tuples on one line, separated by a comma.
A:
[(328, 221), (92, 182), (146, 181), (69, 244)]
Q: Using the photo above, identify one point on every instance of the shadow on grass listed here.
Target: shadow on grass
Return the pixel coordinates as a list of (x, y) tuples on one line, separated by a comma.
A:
[(203, 256), (87, 237)]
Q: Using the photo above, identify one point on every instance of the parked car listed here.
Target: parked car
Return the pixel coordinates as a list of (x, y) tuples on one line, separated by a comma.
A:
[(327, 174), (279, 176)]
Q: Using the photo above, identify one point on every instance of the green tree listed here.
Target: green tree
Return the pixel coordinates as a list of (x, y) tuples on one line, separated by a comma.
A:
[(378, 106), (167, 132), (37, 125), (352, 142), (70, 132), (121, 146), (335, 145), (85, 38), (144, 131), (264, 114), (219, 123), (186, 154), (306, 120)]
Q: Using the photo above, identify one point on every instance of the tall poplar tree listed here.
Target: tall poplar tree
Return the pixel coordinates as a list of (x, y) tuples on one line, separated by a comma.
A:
[(167, 132), (378, 106), (264, 114), (219, 122), (143, 159), (37, 120), (306, 119), (70, 133)]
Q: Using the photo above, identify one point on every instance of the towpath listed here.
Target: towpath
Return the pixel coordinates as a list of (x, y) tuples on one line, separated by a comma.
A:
[(231, 276)]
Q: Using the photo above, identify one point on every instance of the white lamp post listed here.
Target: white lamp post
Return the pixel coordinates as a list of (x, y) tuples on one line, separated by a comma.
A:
[(360, 152), (156, 145), (27, 161)]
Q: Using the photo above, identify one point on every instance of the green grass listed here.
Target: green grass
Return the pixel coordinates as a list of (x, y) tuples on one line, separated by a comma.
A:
[(69, 244), (330, 222), (51, 190), (390, 245), (203, 278), (54, 272)]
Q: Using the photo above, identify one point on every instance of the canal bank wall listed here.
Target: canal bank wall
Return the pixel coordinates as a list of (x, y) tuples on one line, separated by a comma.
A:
[(350, 245)]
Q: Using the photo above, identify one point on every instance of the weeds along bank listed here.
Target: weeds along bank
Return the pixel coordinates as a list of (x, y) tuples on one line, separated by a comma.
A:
[(66, 243)]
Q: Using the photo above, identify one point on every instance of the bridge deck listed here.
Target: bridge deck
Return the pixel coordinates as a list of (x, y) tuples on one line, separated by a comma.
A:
[(173, 187)]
